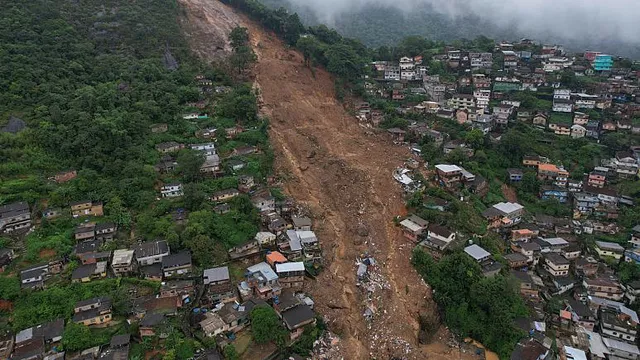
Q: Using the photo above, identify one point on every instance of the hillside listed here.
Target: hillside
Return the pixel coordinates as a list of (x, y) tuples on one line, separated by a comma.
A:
[(343, 174), (387, 26)]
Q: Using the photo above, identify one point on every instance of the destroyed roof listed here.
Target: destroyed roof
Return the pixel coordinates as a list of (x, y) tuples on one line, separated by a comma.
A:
[(153, 319), (216, 274), (300, 221), (515, 257), (521, 276)]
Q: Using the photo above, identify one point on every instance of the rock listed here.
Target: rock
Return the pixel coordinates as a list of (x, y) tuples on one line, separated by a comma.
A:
[(362, 230), (303, 167), (311, 154)]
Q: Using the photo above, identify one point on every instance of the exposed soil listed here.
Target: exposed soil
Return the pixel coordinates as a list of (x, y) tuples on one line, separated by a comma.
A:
[(342, 173), (509, 193)]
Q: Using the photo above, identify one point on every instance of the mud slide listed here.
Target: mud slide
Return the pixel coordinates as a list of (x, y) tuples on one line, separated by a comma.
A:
[(342, 173)]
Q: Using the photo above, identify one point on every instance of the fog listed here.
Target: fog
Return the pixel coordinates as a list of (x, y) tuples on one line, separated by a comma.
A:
[(591, 20)]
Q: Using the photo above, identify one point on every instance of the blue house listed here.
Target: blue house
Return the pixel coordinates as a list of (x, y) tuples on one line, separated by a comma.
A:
[(554, 192), (603, 62), (515, 175)]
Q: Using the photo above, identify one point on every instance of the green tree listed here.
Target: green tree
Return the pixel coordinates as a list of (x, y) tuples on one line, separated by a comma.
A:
[(189, 163), (230, 352), (266, 326), (239, 37), (475, 138)]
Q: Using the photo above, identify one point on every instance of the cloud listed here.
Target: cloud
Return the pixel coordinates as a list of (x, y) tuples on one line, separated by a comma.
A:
[(584, 20)]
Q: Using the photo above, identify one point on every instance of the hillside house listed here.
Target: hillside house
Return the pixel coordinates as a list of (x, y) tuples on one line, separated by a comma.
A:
[(609, 249), (14, 217), (554, 192), (93, 311), (224, 195), (578, 131), (86, 208), (211, 164), (169, 147), (218, 284), (515, 175), (176, 265), (86, 273), (504, 214), (462, 101), (291, 274), (604, 288), (171, 190), (413, 227), (556, 264), (516, 260), (34, 277), (123, 262), (151, 252), (263, 281), (489, 267), (553, 173), (438, 237)]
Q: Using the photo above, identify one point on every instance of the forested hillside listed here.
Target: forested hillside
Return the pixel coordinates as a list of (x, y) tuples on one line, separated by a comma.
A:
[(378, 25)]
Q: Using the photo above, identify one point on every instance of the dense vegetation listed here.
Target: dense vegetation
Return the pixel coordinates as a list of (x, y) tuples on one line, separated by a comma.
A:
[(472, 305)]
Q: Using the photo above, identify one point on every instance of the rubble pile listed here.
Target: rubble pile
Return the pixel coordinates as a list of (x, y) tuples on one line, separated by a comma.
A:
[(327, 347), (371, 282)]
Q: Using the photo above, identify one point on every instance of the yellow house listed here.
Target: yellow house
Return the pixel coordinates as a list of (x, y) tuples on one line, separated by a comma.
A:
[(93, 311), (86, 208), (609, 249), (86, 273)]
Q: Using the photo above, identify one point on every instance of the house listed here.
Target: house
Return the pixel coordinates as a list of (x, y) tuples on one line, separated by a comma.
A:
[(586, 266), (85, 231), (166, 165), (489, 266), (296, 318), (618, 325), (176, 265), (183, 289), (123, 262), (562, 101), (151, 272), (151, 252), (413, 227), (556, 265), (556, 244), (534, 160), (635, 236), (540, 119), (151, 304), (212, 324), (86, 208), (528, 288), (461, 101), (604, 248), (632, 291), (264, 202), (603, 287), (516, 260), (211, 164), (50, 333), (169, 147), (503, 214), (620, 349), (105, 231), (438, 237), (205, 148), (524, 233), (33, 277), (86, 273), (602, 62), (246, 183), (598, 177), (218, 284), (515, 175), (247, 248), (171, 190), (397, 134), (553, 173), (92, 311), (291, 274), (301, 223), (554, 192), (14, 217), (51, 213), (578, 131), (224, 195), (6, 257), (150, 323), (263, 281)]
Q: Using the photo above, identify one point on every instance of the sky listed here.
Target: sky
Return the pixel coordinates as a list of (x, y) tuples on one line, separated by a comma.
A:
[(617, 20)]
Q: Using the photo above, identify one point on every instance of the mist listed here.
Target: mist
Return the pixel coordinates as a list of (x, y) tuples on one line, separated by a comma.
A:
[(588, 21)]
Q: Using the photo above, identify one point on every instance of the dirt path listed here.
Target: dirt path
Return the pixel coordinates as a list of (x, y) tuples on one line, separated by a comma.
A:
[(343, 175)]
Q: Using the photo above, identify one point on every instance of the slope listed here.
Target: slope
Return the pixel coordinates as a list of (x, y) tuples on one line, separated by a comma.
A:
[(342, 173)]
